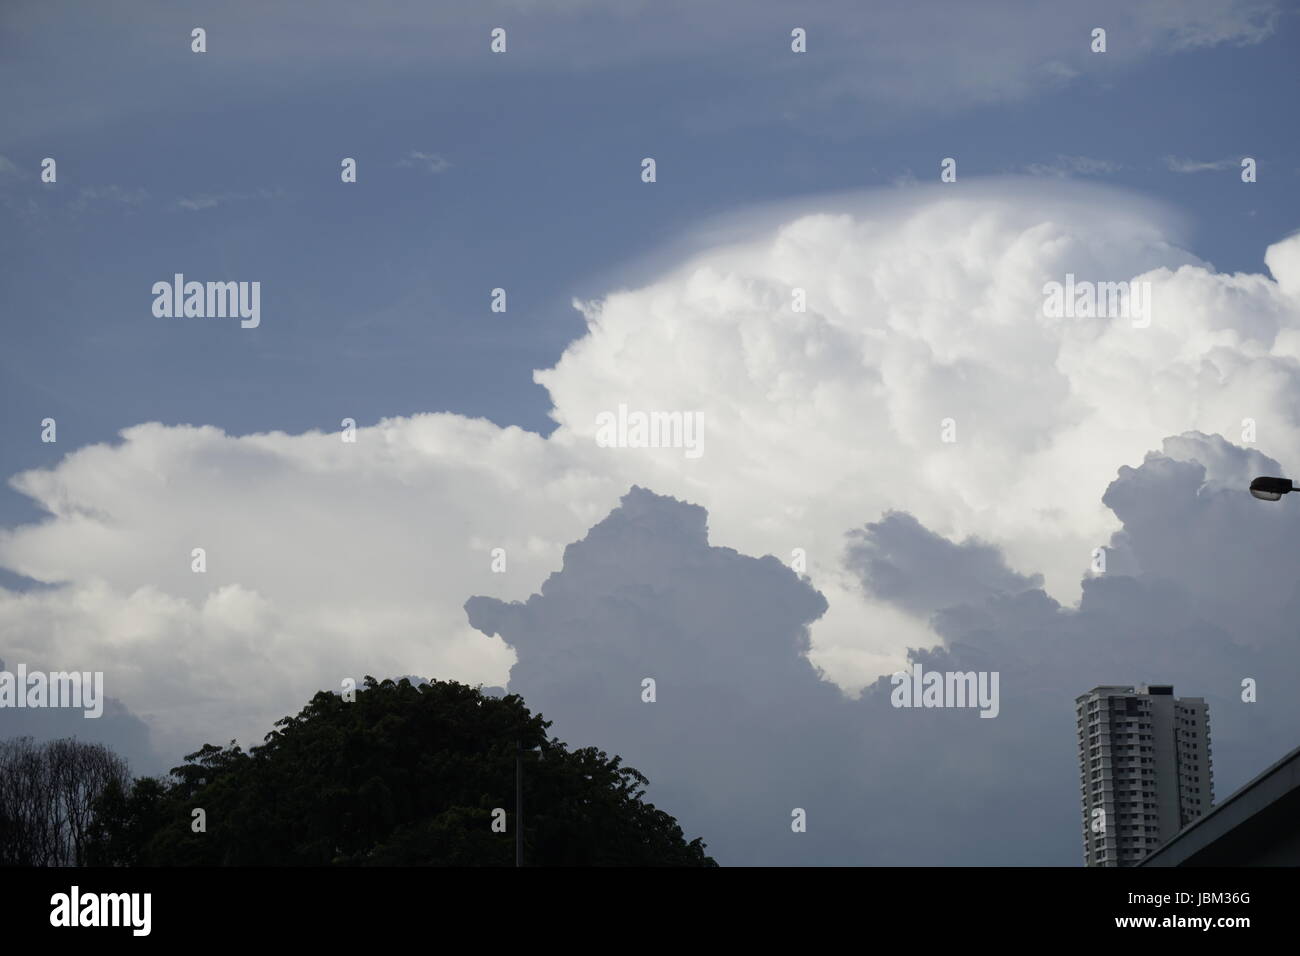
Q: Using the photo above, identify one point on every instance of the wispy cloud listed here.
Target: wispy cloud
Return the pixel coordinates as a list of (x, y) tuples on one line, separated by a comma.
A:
[(1197, 166), (110, 195), (1064, 166), (430, 162), (52, 198), (212, 200)]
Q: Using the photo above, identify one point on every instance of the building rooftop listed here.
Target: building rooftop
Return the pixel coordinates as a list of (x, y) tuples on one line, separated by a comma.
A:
[(1244, 827)]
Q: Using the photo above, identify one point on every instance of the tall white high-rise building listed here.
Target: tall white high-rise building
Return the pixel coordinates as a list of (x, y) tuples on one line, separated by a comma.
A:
[(1144, 758)]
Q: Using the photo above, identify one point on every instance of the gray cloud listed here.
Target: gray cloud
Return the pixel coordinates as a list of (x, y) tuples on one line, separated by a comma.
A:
[(117, 728), (739, 723), (900, 561), (744, 730)]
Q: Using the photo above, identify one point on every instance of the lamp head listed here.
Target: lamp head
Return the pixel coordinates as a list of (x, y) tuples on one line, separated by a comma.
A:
[(1270, 489)]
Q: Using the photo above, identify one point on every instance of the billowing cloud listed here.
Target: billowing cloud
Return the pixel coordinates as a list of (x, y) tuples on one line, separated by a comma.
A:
[(924, 320), (323, 560)]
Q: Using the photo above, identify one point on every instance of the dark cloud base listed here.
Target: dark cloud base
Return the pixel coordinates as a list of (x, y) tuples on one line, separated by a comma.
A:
[(1200, 592)]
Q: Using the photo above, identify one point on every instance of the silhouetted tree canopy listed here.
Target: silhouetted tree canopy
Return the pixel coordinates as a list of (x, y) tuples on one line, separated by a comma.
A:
[(48, 795), (403, 775)]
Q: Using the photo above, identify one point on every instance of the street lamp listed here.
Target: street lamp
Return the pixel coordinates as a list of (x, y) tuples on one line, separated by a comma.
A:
[(1271, 489), (519, 803), (519, 797)]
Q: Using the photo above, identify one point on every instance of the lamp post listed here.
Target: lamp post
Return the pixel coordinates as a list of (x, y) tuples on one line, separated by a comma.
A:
[(1271, 489), (520, 750), (519, 803)]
